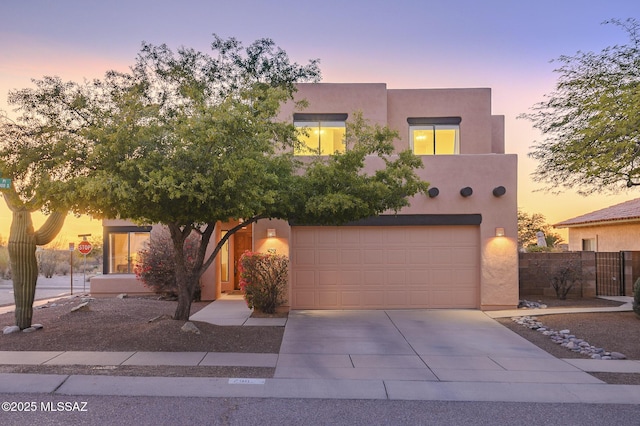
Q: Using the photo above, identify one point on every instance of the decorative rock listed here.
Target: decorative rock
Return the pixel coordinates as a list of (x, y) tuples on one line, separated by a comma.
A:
[(10, 329), (37, 326), (190, 327), (569, 341), (123, 296), (29, 330), (80, 306)]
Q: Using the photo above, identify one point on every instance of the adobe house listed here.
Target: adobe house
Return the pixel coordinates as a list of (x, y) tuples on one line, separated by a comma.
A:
[(453, 248), (611, 229)]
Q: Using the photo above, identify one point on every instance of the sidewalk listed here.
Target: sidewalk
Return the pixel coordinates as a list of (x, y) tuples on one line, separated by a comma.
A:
[(456, 377)]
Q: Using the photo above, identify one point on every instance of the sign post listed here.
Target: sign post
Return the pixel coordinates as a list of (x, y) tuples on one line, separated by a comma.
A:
[(85, 248), (71, 249)]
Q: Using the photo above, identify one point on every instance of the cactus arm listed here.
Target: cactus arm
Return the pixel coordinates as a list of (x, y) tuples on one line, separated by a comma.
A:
[(50, 228)]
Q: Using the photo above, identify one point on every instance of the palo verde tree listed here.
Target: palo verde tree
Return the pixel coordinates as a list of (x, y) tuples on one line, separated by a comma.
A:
[(591, 121), (189, 140)]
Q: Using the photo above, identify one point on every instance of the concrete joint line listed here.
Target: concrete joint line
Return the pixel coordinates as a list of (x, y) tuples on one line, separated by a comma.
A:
[(55, 391)]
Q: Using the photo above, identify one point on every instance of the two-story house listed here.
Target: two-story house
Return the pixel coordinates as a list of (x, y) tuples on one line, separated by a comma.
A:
[(452, 248)]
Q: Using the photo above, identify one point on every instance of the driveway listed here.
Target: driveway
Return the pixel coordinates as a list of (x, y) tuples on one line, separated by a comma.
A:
[(431, 345)]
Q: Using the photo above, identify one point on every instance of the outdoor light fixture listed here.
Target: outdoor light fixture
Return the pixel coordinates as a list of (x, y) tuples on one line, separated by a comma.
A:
[(433, 192), (271, 233), (499, 232)]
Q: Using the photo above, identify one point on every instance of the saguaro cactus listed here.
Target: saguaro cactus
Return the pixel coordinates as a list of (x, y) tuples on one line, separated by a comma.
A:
[(22, 254)]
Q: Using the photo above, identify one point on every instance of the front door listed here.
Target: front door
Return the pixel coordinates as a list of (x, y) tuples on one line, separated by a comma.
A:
[(242, 243)]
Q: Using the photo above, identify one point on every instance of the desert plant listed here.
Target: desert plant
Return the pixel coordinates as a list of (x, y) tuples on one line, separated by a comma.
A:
[(263, 278), (636, 297), (564, 277), (155, 267)]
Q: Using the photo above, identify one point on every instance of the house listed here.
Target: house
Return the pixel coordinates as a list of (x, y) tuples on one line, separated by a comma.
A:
[(611, 229), (453, 248)]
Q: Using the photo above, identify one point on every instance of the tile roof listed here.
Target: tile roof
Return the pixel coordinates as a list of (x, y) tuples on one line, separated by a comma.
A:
[(629, 210)]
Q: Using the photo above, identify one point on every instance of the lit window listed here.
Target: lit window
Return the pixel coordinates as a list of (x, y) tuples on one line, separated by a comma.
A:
[(122, 250), (434, 136), (224, 260), (320, 134)]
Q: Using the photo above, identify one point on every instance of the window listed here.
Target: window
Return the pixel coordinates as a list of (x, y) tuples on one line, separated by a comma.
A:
[(320, 134), (589, 244), (224, 260), (122, 247), (435, 136)]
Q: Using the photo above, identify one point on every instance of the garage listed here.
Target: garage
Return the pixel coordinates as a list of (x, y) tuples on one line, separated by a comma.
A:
[(385, 267)]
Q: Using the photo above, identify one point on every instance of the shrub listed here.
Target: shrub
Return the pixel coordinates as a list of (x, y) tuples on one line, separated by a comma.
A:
[(636, 297), (562, 276), (263, 278), (155, 266)]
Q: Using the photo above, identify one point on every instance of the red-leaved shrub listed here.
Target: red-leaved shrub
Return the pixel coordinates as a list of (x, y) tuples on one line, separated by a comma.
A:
[(155, 267)]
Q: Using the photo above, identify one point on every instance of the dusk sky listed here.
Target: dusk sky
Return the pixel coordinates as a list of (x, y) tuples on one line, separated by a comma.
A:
[(506, 45)]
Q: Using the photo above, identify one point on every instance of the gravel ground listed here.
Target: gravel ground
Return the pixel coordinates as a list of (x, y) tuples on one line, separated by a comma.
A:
[(113, 324), (134, 324), (613, 331)]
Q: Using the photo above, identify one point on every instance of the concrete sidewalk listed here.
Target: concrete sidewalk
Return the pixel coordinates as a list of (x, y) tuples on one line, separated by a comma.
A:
[(231, 309), (447, 355)]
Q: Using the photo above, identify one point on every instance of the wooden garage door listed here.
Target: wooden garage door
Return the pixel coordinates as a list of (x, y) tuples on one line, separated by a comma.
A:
[(385, 267)]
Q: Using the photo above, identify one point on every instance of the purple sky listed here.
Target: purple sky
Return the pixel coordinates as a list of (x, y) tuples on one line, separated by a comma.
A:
[(505, 45)]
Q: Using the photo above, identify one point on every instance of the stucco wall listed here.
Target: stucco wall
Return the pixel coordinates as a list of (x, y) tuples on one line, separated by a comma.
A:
[(619, 237), (472, 105)]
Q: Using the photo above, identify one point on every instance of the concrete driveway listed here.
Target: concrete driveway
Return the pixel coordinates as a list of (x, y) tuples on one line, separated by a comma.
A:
[(418, 345)]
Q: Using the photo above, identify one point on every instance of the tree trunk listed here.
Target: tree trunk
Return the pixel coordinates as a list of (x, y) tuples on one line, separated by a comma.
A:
[(184, 278), (22, 255)]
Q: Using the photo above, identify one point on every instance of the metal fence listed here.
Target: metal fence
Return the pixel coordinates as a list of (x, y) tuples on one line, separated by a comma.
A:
[(610, 274)]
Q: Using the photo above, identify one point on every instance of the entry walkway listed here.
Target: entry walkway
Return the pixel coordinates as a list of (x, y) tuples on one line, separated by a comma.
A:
[(450, 355)]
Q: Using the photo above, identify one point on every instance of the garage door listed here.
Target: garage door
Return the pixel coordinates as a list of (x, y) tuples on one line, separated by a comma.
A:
[(385, 267)]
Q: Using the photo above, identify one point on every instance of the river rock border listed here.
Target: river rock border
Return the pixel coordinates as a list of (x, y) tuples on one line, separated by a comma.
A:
[(565, 339)]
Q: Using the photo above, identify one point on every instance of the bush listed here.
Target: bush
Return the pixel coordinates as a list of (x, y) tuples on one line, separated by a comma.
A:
[(636, 297), (562, 276), (155, 267), (263, 278)]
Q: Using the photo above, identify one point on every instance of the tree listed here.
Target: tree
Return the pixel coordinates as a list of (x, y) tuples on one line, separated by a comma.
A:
[(528, 227), (591, 122), (189, 140)]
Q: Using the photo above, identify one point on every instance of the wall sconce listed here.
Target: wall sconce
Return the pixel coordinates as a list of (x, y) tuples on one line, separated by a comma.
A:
[(433, 192), (499, 232), (271, 233)]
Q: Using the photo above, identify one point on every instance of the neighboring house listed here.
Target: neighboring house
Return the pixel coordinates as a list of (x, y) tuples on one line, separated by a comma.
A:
[(453, 248), (615, 228)]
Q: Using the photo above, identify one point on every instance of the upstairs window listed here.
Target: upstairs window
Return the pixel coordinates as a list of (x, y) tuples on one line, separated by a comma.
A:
[(320, 134), (435, 136)]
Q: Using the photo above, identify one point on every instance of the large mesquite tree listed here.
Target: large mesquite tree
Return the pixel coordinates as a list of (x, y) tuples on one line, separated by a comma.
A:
[(190, 140), (591, 121)]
